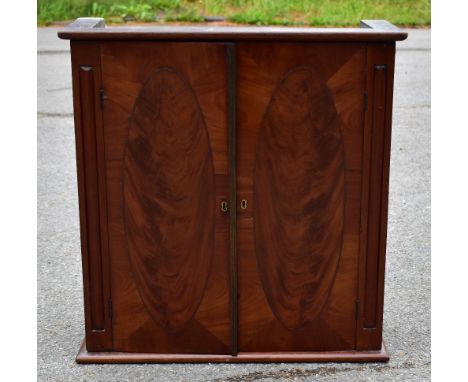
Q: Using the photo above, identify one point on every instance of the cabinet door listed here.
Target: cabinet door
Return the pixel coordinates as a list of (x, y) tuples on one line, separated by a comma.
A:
[(165, 132), (300, 131)]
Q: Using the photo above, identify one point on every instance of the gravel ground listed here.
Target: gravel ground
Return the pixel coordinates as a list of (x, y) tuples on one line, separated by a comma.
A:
[(407, 304)]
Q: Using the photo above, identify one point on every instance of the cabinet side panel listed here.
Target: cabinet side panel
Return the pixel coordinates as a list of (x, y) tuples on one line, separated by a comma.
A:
[(376, 161), (91, 190)]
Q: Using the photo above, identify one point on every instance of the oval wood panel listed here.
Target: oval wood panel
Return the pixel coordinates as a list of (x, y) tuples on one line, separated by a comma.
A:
[(299, 198), (169, 199)]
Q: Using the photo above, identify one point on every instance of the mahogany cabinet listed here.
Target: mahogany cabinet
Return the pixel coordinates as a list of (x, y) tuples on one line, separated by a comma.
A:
[(233, 186)]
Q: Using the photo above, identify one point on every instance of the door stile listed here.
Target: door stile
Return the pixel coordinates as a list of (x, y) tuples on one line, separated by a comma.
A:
[(232, 111)]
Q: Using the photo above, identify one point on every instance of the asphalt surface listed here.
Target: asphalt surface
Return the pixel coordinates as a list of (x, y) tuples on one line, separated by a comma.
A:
[(407, 294)]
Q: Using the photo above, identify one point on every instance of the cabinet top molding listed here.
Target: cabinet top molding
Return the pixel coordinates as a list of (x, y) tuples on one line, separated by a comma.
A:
[(88, 28)]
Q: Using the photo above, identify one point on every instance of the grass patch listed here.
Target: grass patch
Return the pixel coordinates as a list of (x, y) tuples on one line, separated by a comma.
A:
[(259, 12)]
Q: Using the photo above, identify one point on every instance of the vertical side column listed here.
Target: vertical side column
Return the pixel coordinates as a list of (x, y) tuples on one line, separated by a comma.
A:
[(232, 111), (374, 207), (90, 154)]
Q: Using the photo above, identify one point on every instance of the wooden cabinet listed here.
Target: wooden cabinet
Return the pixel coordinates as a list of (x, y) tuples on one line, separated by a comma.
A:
[(233, 187)]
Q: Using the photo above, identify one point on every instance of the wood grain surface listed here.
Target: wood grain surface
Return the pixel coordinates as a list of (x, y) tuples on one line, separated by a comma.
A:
[(169, 198), (299, 168), (371, 32), (374, 205), (90, 156), (380, 355), (294, 136), (165, 123), (299, 197)]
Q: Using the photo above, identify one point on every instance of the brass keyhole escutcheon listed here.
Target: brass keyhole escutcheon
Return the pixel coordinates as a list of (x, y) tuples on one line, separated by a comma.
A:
[(224, 206), (243, 204)]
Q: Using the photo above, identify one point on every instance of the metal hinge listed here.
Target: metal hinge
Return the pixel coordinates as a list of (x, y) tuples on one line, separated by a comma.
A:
[(110, 309), (102, 97), (365, 101), (357, 307)]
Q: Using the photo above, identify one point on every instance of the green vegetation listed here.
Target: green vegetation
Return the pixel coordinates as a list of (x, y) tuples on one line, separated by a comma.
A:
[(260, 12)]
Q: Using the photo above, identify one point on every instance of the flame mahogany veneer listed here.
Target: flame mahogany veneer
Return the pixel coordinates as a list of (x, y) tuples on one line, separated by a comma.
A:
[(233, 188)]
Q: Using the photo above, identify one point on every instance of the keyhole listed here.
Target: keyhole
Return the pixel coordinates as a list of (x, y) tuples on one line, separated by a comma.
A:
[(243, 204), (224, 205)]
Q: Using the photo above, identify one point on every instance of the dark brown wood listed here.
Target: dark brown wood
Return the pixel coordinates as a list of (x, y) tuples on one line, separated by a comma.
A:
[(374, 30), (90, 153), (233, 188), (165, 122), (377, 139), (299, 197), (86, 357), (299, 168), (232, 152), (169, 194)]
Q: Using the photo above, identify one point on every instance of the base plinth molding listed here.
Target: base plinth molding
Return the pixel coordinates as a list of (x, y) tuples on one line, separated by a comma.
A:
[(324, 356)]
